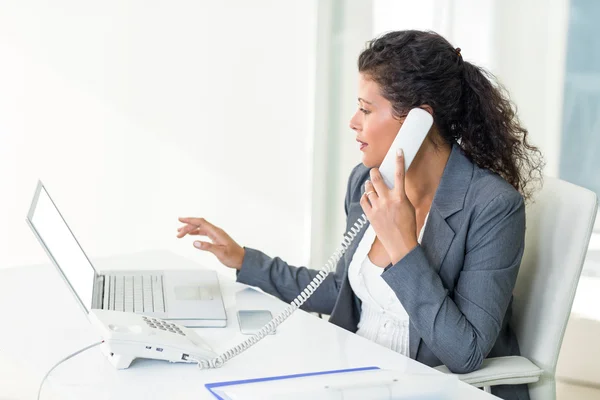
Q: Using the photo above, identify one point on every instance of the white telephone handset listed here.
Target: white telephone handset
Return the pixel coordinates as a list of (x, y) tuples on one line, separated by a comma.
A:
[(414, 129), (128, 336)]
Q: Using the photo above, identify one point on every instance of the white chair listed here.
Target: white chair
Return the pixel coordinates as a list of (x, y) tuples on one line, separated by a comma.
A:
[(559, 225)]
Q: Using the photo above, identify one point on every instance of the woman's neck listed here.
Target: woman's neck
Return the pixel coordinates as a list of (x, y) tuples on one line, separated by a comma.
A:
[(425, 173)]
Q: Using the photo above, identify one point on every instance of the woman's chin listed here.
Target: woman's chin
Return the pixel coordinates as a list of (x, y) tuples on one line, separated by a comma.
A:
[(369, 162)]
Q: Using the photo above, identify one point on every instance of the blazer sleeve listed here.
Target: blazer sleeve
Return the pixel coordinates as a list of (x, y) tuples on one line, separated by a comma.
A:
[(276, 277), (462, 330)]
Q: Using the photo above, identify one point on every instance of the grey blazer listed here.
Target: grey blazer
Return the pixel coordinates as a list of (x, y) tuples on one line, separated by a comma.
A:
[(456, 286)]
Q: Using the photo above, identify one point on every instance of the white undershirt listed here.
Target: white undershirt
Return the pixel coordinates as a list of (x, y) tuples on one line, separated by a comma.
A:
[(383, 319)]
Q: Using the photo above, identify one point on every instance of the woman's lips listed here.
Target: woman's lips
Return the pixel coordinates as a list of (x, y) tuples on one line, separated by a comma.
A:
[(362, 144)]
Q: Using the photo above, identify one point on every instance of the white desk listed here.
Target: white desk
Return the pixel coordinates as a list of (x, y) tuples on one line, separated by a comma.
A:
[(42, 323)]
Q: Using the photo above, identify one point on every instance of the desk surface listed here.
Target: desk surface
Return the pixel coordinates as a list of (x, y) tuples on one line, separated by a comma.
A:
[(42, 323)]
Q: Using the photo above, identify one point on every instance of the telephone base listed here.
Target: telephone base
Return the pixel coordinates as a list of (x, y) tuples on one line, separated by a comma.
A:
[(128, 336), (119, 361)]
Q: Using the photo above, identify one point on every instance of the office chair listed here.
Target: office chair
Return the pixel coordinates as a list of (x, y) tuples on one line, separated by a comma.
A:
[(559, 224)]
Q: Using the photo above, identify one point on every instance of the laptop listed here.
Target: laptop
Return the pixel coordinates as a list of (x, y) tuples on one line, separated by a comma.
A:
[(190, 297)]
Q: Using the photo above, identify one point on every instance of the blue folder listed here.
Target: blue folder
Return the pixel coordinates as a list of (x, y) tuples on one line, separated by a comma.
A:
[(211, 386)]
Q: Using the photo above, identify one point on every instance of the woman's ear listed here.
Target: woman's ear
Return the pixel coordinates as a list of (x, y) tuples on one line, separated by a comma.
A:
[(427, 108)]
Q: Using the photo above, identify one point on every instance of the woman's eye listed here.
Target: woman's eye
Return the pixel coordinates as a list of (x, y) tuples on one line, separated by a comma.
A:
[(366, 112)]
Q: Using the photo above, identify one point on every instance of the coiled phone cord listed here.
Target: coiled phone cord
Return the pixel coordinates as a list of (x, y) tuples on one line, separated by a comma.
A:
[(293, 306)]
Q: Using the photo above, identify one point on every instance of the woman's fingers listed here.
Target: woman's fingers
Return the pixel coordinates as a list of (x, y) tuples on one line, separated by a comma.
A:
[(211, 247), (192, 230), (378, 184), (198, 225), (193, 221), (400, 173), (200, 222), (188, 229), (221, 245), (370, 192), (364, 199), (182, 231)]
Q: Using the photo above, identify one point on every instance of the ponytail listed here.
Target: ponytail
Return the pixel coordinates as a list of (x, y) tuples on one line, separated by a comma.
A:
[(489, 130)]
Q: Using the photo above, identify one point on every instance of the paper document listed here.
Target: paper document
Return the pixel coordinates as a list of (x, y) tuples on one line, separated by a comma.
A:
[(373, 384)]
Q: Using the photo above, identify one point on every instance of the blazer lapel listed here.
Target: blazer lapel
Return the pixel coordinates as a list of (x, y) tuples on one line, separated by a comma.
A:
[(436, 241), (448, 200)]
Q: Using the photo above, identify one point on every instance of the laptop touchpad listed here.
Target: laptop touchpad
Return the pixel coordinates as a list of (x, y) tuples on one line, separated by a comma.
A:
[(191, 292)]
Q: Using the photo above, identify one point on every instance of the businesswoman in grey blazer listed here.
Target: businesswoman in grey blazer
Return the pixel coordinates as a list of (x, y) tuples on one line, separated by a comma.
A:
[(435, 279)]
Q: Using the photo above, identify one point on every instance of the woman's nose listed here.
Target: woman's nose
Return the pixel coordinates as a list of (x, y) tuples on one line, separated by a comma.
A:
[(354, 124)]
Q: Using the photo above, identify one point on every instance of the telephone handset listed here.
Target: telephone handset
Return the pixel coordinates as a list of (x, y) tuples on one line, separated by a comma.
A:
[(414, 129), (128, 336)]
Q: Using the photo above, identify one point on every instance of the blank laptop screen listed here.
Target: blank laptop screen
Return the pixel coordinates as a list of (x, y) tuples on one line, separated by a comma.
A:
[(63, 247)]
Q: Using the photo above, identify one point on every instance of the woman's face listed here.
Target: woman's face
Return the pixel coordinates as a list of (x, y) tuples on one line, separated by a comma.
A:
[(374, 123)]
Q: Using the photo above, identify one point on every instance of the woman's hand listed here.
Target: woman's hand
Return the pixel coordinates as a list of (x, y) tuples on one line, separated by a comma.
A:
[(390, 212), (223, 246)]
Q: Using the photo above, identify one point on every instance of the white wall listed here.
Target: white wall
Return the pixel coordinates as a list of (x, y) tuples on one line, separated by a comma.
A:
[(344, 28), (530, 49), (465, 23), (134, 113)]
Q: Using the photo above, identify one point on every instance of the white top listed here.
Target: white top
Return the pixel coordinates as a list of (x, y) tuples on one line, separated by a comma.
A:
[(383, 319)]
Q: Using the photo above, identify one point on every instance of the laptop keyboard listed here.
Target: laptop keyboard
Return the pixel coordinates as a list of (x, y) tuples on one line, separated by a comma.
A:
[(135, 293)]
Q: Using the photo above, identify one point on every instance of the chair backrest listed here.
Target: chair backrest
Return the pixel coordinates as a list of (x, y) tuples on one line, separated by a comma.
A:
[(559, 225)]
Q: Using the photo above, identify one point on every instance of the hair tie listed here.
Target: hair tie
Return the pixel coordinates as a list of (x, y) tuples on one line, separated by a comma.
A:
[(458, 51)]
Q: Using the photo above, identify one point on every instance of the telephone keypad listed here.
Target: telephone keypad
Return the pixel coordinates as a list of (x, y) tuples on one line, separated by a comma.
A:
[(162, 325)]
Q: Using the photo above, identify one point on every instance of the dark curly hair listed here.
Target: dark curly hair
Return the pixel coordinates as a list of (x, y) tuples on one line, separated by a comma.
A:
[(415, 68)]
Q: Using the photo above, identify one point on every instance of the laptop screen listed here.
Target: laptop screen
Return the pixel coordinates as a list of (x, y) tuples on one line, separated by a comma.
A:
[(56, 236)]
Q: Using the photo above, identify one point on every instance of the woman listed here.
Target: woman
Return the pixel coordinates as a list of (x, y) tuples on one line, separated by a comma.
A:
[(434, 280)]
